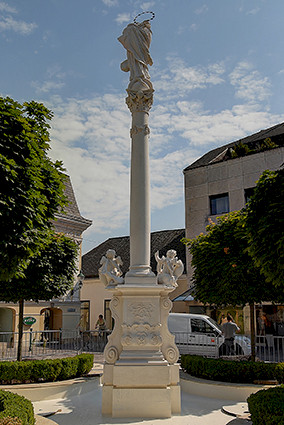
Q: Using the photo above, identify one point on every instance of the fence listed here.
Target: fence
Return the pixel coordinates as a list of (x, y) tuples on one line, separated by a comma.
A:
[(44, 344), (269, 348)]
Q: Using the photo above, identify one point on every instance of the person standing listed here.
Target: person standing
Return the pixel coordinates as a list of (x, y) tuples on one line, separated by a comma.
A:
[(229, 330), (101, 325)]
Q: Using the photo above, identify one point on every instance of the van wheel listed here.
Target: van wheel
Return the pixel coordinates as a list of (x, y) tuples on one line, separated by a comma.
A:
[(239, 350)]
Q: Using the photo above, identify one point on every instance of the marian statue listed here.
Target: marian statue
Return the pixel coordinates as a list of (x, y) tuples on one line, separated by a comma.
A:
[(169, 268), (136, 39), (109, 272)]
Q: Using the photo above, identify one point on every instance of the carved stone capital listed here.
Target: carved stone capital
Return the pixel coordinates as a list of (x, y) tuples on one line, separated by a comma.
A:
[(139, 101), (145, 130)]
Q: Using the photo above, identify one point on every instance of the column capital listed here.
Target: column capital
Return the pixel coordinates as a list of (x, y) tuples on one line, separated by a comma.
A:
[(139, 101)]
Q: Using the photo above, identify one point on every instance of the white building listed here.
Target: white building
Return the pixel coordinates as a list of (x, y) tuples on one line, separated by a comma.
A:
[(223, 179)]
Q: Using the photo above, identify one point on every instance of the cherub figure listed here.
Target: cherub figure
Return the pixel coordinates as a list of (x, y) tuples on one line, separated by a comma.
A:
[(169, 268), (110, 272)]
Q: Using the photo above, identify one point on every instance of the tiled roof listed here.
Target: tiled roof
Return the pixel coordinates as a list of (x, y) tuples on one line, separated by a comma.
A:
[(71, 210), (210, 156), (160, 241)]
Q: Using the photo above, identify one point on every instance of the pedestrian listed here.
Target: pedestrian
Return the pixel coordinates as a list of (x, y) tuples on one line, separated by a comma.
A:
[(229, 330), (101, 324)]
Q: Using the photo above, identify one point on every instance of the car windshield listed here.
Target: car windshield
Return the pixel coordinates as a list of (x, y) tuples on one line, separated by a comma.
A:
[(215, 324)]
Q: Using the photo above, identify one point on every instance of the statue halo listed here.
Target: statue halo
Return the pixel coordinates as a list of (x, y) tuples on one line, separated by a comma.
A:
[(143, 13)]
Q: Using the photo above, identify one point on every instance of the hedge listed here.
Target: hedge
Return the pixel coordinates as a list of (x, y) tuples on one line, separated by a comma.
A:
[(267, 406), (15, 409), (45, 370), (232, 371)]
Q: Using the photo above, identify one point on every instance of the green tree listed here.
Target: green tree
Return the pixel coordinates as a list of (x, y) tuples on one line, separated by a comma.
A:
[(265, 225), (224, 272), (31, 184), (49, 274)]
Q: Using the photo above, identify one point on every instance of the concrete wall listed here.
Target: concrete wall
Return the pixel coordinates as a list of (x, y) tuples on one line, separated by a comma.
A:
[(94, 291), (232, 177)]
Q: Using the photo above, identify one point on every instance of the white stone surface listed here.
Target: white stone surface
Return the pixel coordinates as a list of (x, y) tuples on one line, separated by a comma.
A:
[(109, 272), (140, 372), (85, 409)]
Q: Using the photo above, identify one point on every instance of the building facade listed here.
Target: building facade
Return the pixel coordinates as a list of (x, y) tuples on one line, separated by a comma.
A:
[(62, 313), (222, 181)]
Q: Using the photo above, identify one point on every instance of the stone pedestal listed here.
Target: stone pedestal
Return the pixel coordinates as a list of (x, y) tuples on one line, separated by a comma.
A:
[(141, 377)]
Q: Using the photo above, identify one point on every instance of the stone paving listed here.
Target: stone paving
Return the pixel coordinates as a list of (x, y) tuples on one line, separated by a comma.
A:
[(85, 409)]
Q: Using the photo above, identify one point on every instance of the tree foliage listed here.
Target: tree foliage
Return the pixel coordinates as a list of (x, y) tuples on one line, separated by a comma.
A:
[(224, 272), (50, 272), (31, 184), (265, 226)]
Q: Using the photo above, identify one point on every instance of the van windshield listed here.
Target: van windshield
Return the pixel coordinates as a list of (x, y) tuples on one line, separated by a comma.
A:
[(215, 323)]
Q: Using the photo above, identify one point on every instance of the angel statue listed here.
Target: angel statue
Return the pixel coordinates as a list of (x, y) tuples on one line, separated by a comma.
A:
[(136, 39), (169, 268), (109, 272)]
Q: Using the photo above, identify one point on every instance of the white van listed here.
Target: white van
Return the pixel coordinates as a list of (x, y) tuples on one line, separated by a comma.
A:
[(199, 334)]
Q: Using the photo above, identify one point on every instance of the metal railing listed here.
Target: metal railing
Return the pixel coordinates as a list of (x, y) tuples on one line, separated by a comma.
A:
[(269, 348), (45, 344)]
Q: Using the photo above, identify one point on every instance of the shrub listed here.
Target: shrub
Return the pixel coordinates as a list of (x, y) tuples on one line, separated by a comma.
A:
[(16, 406), (279, 373), (267, 406), (45, 370), (86, 362), (230, 371), (10, 421), (69, 368)]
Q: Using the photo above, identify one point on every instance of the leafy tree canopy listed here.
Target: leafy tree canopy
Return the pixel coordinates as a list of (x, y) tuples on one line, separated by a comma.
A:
[(224, 273), (49, 274), (31, 184), (265, 226)]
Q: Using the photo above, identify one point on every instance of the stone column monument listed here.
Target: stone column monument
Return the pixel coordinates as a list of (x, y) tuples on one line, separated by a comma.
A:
[(141, 377)]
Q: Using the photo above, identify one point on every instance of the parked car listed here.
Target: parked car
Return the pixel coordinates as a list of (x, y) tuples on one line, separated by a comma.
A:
[(199, 334)]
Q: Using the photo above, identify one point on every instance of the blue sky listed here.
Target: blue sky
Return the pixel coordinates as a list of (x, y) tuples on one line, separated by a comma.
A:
[(218, 75)]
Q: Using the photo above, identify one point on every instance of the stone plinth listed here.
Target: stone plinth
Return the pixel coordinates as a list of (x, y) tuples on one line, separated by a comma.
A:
[(141, 376)]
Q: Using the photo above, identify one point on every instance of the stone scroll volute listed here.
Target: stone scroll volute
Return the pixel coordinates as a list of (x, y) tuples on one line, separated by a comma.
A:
[(169, 348)]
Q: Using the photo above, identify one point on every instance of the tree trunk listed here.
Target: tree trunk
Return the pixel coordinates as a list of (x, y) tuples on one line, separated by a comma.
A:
[(21, 317), (252, 331)]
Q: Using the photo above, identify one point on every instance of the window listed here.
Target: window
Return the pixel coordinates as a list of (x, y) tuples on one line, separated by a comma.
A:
[(248, 194), (219, 204), (85, 316), (107, 314), (199, 326)]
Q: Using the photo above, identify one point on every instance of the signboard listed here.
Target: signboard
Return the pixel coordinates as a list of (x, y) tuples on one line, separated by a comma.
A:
[(29, 320)]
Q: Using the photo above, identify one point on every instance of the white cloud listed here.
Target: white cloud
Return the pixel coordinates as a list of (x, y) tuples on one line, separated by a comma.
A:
[(91, 136), (147, 5), (8, 23), (202, 9), (180, 79), (122, 18), (4, 7), (253, 11), (249, 84), (110, 3), (54, 80), (47, 86)]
